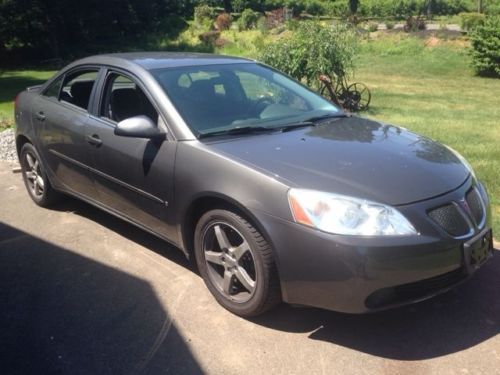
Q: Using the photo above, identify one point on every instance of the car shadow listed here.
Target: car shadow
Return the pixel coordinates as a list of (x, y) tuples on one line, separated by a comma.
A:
[(62, 313), (127, 230), (459, 319)]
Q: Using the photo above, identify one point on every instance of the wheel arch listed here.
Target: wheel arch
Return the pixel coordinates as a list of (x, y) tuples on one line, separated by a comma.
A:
[(209, 201), (21, 140)]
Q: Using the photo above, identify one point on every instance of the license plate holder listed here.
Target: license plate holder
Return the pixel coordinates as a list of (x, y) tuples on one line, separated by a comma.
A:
[(477, 250)]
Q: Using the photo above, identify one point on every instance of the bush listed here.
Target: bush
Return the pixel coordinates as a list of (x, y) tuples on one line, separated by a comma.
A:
[(390, 25), (372, 26), (240, 5), (209, 38), (469, 21), (485, 41), (314, 50), (223, 21), (203, 13), (314, 8), (248, 19), (414, 24)]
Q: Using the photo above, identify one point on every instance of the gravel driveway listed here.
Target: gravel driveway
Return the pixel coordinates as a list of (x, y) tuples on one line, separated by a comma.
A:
[(8, 146)]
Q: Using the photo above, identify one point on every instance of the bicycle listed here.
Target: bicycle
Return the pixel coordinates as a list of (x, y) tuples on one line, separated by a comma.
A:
[(352, 97)]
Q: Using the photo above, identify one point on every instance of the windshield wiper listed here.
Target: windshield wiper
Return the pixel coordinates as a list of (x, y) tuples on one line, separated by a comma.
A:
[(311, 121), (235, 131), (328, 115)]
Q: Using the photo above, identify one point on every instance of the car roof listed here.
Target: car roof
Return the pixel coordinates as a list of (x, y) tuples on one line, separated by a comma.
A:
[(158, 60)]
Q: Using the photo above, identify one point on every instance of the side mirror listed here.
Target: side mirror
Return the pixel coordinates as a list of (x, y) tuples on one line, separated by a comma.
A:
[(139, 127)]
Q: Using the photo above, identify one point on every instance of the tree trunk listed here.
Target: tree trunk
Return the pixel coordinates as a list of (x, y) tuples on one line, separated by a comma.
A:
[(480, 6)]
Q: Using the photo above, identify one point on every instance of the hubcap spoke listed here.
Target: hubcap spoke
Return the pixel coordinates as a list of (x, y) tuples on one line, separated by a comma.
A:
[(40, 182), (240, 250), (227, 282), (30, 160), (30, 175), (245, 279), (221, 238), (213, 257)]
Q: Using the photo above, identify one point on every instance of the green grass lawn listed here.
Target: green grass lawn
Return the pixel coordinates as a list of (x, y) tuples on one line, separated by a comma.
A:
[(433, 91), (11, 83), (430, 90)]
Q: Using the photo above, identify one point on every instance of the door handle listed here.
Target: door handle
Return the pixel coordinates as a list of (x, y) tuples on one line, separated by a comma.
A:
[(93, 139), (40, 116)]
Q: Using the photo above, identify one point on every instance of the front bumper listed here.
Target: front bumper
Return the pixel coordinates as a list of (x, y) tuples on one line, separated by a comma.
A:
[(355, 274)]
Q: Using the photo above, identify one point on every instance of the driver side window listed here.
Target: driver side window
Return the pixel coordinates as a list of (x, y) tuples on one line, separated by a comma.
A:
[(123, 99)]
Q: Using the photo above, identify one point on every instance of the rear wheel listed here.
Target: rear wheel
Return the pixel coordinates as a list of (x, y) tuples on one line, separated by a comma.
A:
[(35, 178), (236, 263)]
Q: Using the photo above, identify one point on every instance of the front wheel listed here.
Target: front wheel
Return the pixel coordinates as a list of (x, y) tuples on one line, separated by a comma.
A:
[(236, 263)]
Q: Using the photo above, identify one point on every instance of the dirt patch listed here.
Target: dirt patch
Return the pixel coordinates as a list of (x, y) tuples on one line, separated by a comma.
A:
[(432, 42)]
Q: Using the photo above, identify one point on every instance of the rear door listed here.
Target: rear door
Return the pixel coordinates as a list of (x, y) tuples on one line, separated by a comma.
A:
[(133, 176), (59, 117)]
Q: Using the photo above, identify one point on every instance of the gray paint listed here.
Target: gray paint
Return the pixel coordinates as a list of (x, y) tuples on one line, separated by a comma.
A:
[(153, 183)]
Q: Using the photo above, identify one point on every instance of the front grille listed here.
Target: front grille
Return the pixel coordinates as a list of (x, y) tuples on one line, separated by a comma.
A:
[(449, 218), (414, 291), (475, 205)]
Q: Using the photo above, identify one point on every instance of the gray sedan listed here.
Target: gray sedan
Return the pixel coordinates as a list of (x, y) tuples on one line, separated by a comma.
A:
[(277, 193)]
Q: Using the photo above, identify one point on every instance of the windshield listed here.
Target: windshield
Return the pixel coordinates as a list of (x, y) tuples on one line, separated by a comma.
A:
[(215, 98)]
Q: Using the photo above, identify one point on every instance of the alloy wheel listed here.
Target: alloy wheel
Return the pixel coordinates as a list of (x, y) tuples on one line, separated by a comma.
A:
[(230, 262), (34, 175)]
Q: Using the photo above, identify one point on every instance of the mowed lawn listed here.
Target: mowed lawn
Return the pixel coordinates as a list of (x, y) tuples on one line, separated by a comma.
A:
[(430, 90), (11, 83)]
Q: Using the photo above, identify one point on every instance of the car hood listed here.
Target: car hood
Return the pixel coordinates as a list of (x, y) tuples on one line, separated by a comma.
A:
[(352, 156)]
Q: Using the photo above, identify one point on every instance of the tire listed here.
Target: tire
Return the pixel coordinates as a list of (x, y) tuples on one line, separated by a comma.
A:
[(226, 244), (35, 178)]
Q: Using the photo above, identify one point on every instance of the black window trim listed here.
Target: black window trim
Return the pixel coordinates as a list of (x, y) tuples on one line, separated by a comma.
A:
[(63, 75), (99, 96)]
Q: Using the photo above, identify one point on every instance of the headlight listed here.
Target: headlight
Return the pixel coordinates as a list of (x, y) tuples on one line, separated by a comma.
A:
[(340, 214), (463, 161)]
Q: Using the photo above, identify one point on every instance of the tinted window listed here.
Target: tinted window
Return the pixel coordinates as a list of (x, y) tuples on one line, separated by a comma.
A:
[(77, 88), (123, 98), (221, 97), (53, 90)]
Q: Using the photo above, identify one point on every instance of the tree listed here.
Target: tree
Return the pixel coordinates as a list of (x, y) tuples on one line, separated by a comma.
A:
[(65, 28), (353, 6)]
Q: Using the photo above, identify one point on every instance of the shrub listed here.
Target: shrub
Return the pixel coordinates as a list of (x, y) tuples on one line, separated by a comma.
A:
[(262, 25), (203, 13), (314, 8), (248, 19), (240, 5), (209, 38), (276, 17), (372, 26), (390, 25), (223, 21), (313, 50), (414, 24), (469, 21), (485, 41)]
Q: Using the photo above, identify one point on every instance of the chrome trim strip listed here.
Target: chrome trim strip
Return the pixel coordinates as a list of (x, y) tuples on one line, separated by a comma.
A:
[(109, 178)]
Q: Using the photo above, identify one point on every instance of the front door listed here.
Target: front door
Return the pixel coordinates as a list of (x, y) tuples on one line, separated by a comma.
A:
[(133, 176)]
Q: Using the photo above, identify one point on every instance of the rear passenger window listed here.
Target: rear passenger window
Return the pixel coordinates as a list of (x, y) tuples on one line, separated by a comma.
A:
[(77, 88), (123, 99)]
